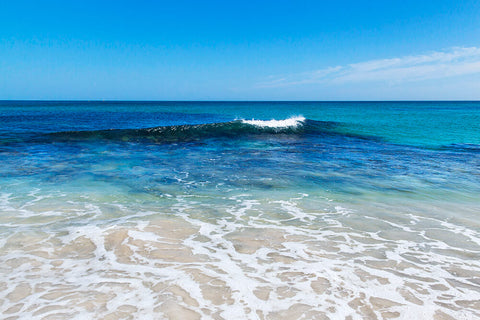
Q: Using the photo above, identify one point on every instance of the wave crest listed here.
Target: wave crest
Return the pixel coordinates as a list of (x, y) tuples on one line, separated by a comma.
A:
[(285, 123)]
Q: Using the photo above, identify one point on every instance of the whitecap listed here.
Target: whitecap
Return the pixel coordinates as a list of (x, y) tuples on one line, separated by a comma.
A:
[(285, 123)]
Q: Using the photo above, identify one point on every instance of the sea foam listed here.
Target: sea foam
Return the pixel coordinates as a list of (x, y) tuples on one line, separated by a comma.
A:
[(285, 123)]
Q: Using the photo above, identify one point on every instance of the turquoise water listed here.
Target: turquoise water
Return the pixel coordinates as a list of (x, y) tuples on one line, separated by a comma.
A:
[(240, 209)]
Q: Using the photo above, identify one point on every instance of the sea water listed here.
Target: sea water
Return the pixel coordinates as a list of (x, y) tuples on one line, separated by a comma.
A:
[(239, 210)]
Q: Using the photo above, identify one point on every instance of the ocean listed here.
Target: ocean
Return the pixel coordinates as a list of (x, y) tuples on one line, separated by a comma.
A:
[(239, 210)]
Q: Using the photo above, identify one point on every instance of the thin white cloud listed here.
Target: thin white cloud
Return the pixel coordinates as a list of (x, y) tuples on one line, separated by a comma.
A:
[(435, 65)]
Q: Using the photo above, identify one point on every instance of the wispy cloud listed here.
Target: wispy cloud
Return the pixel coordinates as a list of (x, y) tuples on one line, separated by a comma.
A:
[(434, 65)]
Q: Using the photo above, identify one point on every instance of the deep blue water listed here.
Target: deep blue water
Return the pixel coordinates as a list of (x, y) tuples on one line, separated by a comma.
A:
[(420, 148)]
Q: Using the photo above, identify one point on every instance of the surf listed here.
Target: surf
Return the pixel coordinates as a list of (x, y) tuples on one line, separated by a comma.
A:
[(236, 129), (285, 123)]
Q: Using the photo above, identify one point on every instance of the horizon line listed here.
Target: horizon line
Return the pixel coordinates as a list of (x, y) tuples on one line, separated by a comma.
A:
[(134, 100)]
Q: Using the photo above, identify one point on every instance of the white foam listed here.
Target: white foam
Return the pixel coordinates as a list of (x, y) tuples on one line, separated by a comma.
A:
[(334, 255), (285, 123)]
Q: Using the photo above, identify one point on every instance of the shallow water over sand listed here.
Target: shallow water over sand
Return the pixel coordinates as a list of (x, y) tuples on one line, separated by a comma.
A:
[(269, 259)]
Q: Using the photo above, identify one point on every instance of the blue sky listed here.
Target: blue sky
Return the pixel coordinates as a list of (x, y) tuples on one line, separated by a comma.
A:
[(240, 50)]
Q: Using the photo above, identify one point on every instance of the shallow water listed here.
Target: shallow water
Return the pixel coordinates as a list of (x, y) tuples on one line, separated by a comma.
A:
[(185, 211)]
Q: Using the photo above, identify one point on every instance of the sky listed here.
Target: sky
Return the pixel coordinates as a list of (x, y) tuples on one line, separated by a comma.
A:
[(240, 50)]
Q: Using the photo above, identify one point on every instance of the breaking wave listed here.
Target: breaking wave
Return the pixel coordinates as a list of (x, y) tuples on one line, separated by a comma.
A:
[(179, 133)]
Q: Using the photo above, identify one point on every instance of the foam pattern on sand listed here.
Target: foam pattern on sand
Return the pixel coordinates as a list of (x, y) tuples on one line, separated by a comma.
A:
[(257, 259)]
